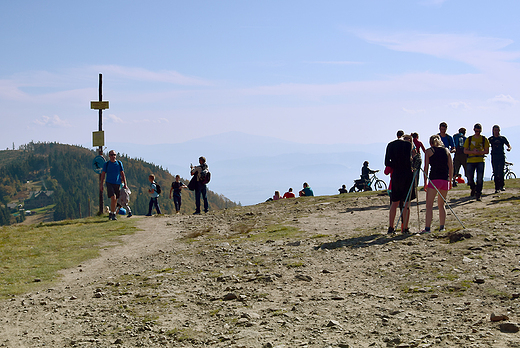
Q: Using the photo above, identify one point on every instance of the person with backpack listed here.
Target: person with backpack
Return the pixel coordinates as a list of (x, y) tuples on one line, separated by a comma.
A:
[(476, 147), (202, 176), (154, 192), (459, 159), (114, 173)]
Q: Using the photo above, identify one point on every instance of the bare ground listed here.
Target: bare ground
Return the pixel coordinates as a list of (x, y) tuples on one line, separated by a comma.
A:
[(312, 272)]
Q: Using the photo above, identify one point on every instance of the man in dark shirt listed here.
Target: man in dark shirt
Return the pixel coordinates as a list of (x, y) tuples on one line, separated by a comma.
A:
[(498, 157), (398, 157)]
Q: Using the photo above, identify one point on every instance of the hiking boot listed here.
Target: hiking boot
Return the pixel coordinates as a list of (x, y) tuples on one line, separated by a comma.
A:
[(196, 213), (497, 191), (479, 199), (129, 215), (391, 230), (114, 218), (425, 231), (406, 231), (148, 215), (502, 189)]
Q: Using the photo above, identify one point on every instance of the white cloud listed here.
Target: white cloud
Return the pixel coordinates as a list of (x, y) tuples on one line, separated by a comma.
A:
[(505, 99), (460, 105), (54, 121), (478, 51), (114, 119), (140, 74)]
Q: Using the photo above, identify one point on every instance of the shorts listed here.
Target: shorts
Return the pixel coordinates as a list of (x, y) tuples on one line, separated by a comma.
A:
[(400, 188), (112, 189), (441, 185)]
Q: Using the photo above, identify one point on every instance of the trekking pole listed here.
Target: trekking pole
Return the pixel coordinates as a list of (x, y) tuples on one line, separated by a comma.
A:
[(444, 199), (406, 200), (417, 202)]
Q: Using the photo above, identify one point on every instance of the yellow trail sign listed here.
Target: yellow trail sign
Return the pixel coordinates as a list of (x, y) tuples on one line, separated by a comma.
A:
[(99, 105)]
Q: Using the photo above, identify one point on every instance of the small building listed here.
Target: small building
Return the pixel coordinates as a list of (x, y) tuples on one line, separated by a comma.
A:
[(39, 199)]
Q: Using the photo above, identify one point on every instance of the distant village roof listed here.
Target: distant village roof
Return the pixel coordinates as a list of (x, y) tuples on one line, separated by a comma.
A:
[(35, 194)]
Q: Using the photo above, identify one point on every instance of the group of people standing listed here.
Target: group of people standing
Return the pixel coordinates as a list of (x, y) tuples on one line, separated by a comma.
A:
[(113, 174), (440, 169)]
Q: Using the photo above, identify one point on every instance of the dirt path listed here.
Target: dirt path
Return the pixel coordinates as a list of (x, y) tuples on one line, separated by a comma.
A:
[(313, 272)]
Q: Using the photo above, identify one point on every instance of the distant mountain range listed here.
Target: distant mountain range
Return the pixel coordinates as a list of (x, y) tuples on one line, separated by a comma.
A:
[(248, 168)]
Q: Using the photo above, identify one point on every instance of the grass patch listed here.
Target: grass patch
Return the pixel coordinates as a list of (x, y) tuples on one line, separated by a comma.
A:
[(31, 256), (275, 232)]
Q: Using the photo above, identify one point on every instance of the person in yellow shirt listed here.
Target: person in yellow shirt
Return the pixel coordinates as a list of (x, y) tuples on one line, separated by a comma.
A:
[(476, 147)]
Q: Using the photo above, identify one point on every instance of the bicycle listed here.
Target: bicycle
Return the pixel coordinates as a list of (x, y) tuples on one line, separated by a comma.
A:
[(373, 183), (508, 173)]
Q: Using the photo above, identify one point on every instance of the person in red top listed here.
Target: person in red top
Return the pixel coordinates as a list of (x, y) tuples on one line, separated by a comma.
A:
[(418, 144), (289, 194)]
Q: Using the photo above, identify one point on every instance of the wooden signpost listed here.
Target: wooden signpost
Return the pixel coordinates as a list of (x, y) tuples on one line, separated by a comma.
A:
[(98, 138)]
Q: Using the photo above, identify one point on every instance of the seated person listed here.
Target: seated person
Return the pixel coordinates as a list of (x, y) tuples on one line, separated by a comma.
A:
[(289, 194), (276, 196), (306, 191), (460, 179), (343, 189)]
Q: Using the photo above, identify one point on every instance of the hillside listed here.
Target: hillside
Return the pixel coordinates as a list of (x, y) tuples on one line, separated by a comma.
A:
[(303, 272), (66, 170)]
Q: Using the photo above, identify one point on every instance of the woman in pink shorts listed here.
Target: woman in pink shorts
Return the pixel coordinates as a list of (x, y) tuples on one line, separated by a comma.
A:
[(438, 158)]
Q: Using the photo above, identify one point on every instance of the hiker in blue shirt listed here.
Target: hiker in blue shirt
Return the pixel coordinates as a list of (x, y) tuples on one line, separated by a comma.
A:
[(447, 140), (114, 173)]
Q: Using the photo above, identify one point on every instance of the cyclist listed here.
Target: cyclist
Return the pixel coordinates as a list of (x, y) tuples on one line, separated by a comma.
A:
[(365, 173), (498, 157)]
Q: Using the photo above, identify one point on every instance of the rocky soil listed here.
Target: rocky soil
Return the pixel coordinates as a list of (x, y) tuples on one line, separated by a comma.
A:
[(304, 272)]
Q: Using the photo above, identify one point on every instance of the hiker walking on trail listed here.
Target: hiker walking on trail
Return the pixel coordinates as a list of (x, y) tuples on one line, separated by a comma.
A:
[(201, 176), (154, 192), (114, 173), (176, 188)]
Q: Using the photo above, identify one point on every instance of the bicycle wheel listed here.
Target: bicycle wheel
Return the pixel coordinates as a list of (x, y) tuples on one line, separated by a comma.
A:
[(380, 185), (510, 175), (352, 189)]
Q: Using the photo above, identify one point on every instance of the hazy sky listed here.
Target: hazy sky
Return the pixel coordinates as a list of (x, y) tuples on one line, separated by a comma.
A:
[(307, 71)]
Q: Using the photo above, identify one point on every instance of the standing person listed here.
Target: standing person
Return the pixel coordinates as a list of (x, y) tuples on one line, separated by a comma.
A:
[(498, 157), (154, 194), (365, 172), (176, 188), (306, 191), (447, 140), (439, 160), (418, 144), (114, 173), (398, 159), (476, 147), (289, 194), (200, 187), (459, 159)]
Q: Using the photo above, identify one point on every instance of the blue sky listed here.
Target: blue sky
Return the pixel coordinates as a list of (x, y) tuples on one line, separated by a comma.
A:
[(312, 72)]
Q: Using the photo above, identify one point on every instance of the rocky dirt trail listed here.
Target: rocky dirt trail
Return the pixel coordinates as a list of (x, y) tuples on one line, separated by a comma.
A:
[(312, 272)]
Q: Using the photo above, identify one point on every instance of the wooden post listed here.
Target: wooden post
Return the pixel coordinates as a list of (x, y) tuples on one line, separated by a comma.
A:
[(100, 149)]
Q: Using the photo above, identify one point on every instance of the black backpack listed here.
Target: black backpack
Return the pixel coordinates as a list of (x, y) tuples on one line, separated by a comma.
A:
[(205, 176), (158, 188)]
